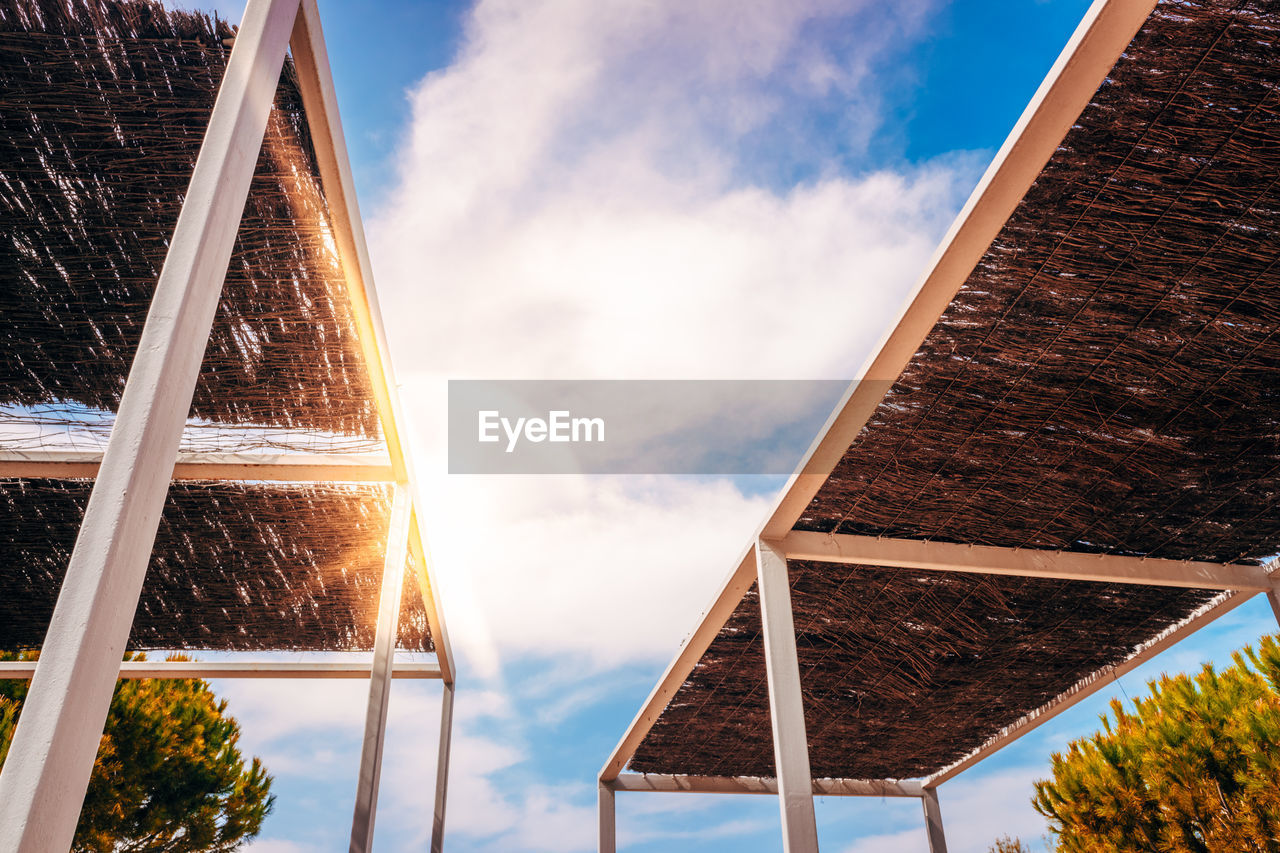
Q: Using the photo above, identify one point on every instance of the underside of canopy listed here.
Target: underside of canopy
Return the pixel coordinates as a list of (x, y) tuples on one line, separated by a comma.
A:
[(1101, 379), (275, 547)]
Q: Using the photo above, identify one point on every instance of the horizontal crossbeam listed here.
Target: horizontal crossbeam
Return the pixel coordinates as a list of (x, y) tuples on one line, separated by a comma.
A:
[(24, 670), (286, 467), (320, 105), (1022, 562), (666, 784)]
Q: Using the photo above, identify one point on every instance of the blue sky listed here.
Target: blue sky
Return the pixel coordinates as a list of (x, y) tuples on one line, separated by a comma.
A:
[(639, 189)]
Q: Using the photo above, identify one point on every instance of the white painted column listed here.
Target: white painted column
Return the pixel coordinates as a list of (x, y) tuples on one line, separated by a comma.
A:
[(442, 768), (48, 767), (786, 703), (608, 838), (384, 654), (933, 821)]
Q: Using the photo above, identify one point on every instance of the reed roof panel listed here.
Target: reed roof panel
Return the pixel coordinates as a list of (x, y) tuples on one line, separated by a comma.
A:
[(103, 106), (1106, 378), (235, 566), (904, 672), (1104, 381)]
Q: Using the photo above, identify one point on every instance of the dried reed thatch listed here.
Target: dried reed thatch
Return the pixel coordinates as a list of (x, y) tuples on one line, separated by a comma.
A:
[(235, 566), (903, 672), (1106, 380), (104, 106)]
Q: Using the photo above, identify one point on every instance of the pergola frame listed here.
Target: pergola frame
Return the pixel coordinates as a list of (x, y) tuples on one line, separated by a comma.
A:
[(47, 771), (284, 467), (242, 669), (1084, 63)]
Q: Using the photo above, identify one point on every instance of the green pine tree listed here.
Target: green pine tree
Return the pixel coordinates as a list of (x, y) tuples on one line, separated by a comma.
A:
[(1005, 844), (169, 777), (8, 719), (1192, 767)]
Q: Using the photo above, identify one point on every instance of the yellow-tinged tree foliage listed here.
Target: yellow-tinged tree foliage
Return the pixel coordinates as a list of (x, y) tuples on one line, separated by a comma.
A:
[(8, 718), (169, 777), (1192, 767)]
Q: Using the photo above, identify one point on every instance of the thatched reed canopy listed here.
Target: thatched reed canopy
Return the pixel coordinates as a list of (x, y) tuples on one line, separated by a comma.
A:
[(1106, 380), (104, 108), (236, 566), (904, 672)]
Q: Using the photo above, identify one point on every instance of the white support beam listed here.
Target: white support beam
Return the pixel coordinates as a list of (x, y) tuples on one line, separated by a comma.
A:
[(1086, 687), (786, 702), (442, 769), (933, 821), (22, 670), (1022, 562), (732, 590), (47, 772), (1084, 63), (430, 601), (867, 787), (384, 649), (287, 467), (320, 102), (660, 783), (607, 818)]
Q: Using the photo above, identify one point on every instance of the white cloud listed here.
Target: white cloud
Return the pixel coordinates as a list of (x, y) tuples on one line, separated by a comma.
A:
[(744, 284), (610, 570), (601, 191), (276, 845), (608, 191), (572, 200), (579, 197)]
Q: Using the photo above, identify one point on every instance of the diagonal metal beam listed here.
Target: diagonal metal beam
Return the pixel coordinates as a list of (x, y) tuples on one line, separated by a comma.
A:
[(47, 771), (1022, 562), (1103, 34), (430, 601), (1098, 42), (732, 590), (320, 102)]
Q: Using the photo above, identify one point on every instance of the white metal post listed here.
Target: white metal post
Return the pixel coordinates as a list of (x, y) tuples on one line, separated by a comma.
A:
[(933, 821), (608, 842), (47, 771), (384, 654), (786, 703), (442, 768), (320, 103)]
